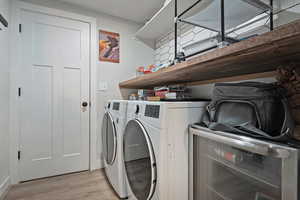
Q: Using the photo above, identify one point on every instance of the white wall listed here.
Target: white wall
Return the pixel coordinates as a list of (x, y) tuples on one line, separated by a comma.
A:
[(4, 98), (133, 54)]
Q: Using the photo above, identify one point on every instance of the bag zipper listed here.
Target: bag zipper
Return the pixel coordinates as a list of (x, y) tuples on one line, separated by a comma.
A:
[(243, 97)]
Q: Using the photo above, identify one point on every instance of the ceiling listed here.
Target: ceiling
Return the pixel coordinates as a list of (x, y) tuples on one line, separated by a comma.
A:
[(134, 10)]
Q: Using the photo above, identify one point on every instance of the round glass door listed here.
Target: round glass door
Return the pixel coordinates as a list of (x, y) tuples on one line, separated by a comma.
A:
[(109, 139), (139, 161)]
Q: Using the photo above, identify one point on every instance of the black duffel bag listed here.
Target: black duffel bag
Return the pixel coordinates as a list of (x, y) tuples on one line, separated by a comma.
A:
[(250, 108)]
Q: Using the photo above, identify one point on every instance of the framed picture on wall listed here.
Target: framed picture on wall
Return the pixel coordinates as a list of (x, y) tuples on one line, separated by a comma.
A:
[(109, 46)]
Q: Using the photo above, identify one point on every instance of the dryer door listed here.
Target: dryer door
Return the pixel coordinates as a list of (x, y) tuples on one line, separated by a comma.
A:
[(140, 163), (109, 139)]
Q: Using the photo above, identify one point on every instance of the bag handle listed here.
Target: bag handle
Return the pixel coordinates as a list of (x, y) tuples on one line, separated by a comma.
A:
[(213, 109), (249, 129), (246, 129), (288, 124)]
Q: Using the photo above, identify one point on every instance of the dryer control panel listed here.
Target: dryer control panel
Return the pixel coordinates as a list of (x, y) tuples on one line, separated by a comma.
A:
[(152, 111)]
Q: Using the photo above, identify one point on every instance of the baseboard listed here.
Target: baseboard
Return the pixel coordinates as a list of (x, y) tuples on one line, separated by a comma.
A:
[(96, 167), (4, 187), (96, 164)]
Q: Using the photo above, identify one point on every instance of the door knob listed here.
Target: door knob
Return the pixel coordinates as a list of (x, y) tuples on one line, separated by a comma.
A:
[(85, 104)]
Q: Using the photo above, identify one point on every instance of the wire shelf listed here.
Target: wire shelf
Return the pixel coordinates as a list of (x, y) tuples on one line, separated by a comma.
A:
[(222, 17)]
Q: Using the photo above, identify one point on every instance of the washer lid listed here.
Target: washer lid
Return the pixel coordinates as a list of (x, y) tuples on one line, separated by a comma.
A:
[(139, 159), (109, 139)]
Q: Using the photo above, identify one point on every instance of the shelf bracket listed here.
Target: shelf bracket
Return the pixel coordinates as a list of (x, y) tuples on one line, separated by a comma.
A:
[(175, 31), (222, 20), (271, 16)]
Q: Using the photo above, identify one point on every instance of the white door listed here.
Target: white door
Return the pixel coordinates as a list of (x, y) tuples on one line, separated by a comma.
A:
[(54, 118)]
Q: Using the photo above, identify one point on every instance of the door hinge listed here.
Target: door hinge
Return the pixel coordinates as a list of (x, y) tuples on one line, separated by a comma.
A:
[(20, 28), (19, 155), (19, 92)]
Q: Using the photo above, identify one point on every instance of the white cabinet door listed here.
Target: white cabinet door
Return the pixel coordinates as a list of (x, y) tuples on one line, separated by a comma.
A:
[(54, 122)]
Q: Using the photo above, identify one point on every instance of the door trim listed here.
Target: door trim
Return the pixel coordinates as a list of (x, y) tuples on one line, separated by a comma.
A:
[(15, 60)]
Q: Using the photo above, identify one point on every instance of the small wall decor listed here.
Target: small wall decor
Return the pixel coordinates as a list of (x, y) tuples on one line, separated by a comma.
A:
[(109, 46)]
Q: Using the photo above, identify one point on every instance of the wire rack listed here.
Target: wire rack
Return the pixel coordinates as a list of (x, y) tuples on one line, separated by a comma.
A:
[(223, 17)]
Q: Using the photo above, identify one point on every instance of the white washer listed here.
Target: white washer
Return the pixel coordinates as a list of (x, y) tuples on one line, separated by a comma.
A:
[(113, 125), (156, 148)]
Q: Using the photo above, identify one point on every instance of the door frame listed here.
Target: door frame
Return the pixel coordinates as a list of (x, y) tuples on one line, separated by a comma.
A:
[(15, 58)]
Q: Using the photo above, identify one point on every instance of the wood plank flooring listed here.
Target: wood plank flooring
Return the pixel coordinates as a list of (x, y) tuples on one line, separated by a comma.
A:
[(78, 186)]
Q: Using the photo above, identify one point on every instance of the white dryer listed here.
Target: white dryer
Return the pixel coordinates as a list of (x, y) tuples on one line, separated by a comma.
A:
[(113, 125), (156, 148)]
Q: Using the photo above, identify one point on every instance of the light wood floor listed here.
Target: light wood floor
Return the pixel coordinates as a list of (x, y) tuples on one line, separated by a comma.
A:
[(79, 186)]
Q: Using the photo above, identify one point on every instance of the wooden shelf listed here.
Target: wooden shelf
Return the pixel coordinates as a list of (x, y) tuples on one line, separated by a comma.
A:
[(256, 55)]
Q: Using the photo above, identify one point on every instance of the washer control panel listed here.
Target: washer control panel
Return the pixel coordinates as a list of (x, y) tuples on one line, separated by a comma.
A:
[(116, 106), (152, 111)]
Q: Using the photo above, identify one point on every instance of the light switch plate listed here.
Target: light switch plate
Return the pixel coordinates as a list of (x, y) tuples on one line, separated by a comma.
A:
[(103, 85)]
